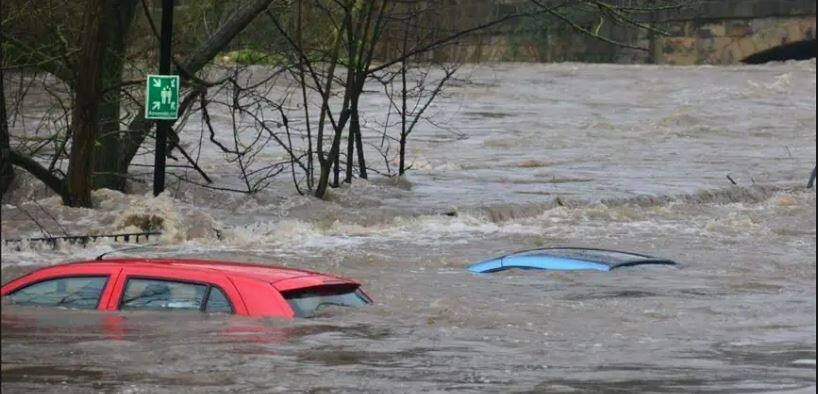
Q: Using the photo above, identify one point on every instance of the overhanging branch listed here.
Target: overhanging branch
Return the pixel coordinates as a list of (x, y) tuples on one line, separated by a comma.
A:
[(40, 60), (39, 171)]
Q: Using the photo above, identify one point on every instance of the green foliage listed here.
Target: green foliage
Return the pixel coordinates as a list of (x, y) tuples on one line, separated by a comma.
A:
[(249, 56)]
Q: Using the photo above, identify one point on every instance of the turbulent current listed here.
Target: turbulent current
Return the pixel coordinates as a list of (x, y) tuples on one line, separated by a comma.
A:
[(522, 156)]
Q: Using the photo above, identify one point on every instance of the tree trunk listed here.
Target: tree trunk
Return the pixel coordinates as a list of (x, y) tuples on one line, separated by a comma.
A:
[(6, 170), (330, 163), (336, 177), (87, 98), (402, 164), (350, 151), (108, 170), (355, 127), (403, 115)]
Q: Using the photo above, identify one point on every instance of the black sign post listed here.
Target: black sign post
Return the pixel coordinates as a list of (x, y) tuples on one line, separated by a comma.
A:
[(163, 126)]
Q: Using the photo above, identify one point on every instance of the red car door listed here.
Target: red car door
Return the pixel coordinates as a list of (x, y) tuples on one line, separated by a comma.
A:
[(176, 275), (112, 274)]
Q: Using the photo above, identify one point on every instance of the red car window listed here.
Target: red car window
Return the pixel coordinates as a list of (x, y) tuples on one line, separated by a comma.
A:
[(82, 292), (153, 294), (165, 294), (217, 302)]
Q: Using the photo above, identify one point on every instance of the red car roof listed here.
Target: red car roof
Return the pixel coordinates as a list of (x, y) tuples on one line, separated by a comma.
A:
[(266, 273)]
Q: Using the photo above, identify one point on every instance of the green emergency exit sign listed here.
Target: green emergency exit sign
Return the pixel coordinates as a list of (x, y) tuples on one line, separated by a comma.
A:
[(162, 97)]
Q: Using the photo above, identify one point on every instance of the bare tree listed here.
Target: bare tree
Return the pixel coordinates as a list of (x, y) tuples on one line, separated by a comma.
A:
[(337, 70), (96, 128), (411, 91)]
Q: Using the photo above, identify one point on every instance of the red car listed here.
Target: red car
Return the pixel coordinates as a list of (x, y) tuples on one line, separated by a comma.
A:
[(180, 284)]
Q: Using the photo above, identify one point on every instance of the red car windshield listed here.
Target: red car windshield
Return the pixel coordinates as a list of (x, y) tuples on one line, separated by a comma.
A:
[(307, 302)]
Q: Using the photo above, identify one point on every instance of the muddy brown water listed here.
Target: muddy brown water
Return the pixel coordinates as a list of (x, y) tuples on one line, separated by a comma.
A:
[(637, 157)]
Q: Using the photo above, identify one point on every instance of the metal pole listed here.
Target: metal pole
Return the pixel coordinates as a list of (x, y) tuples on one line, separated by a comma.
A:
[(163, 126)]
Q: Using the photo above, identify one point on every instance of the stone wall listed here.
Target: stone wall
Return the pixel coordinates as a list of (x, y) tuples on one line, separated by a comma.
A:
[(731, 40), (713, 32)]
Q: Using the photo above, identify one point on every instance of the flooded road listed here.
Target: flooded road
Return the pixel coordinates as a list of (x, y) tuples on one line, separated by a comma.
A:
[(624, 157)]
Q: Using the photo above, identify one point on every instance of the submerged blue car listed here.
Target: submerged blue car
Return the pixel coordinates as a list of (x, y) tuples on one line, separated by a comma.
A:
[(567, 259)]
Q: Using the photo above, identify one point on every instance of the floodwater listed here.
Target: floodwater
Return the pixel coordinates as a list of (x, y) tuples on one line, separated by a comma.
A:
[(523, 156)]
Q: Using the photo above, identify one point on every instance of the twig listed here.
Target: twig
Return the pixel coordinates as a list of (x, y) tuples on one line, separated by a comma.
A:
[(190, 159), (33, 219), (50, 216)]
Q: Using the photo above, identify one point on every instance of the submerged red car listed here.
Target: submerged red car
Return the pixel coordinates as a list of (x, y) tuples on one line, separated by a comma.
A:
[(183, 284)]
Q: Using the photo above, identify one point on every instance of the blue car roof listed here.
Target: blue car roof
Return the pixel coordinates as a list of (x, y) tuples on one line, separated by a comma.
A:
[(568, 259)]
